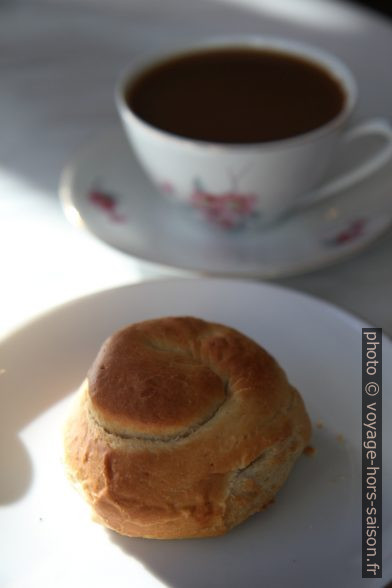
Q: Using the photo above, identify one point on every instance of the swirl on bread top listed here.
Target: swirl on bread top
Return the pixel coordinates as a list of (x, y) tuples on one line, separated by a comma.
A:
[(161, 379)]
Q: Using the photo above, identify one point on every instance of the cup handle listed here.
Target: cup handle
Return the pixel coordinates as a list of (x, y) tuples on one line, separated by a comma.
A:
[(375, 127)]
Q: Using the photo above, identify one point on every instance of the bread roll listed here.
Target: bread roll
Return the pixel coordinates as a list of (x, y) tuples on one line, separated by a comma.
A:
[(183, 428)]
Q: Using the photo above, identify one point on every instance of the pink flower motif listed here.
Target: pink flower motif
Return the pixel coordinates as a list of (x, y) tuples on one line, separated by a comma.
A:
[(167, 187), (107, 204), (229, 209), (353, 231)]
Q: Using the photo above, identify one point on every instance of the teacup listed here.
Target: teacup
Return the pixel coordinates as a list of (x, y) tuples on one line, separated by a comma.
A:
[(240, 170)]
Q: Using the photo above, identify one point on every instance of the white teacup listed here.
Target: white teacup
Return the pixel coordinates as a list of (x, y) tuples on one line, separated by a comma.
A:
[(247, 183)]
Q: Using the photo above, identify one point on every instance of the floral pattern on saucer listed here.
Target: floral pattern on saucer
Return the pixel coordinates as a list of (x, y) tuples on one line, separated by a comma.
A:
[(353, 230), (107, 203)]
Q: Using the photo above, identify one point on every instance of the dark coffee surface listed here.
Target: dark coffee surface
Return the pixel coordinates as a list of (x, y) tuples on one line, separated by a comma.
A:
[(236, 96)]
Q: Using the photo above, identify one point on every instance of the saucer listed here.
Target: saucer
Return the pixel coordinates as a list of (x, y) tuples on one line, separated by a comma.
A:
[(104, 191)]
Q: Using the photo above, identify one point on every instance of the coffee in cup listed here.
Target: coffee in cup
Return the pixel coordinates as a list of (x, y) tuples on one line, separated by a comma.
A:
[(236, 95)]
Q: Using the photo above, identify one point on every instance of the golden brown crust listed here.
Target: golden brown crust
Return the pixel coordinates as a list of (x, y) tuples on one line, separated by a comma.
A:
[(209, 443), (145, 381)]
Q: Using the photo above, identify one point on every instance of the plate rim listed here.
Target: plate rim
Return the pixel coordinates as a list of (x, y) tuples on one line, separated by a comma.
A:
[(354, 319)]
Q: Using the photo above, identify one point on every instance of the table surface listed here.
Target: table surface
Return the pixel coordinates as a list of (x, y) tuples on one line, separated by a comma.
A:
[(58, 64)]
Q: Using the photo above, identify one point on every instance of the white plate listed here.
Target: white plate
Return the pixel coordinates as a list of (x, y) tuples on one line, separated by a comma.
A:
[(105, 191), (310, 537)]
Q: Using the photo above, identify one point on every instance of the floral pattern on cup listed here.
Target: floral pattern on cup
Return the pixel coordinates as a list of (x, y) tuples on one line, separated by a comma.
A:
[(231, 209), (167, 188), (107, 203)]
